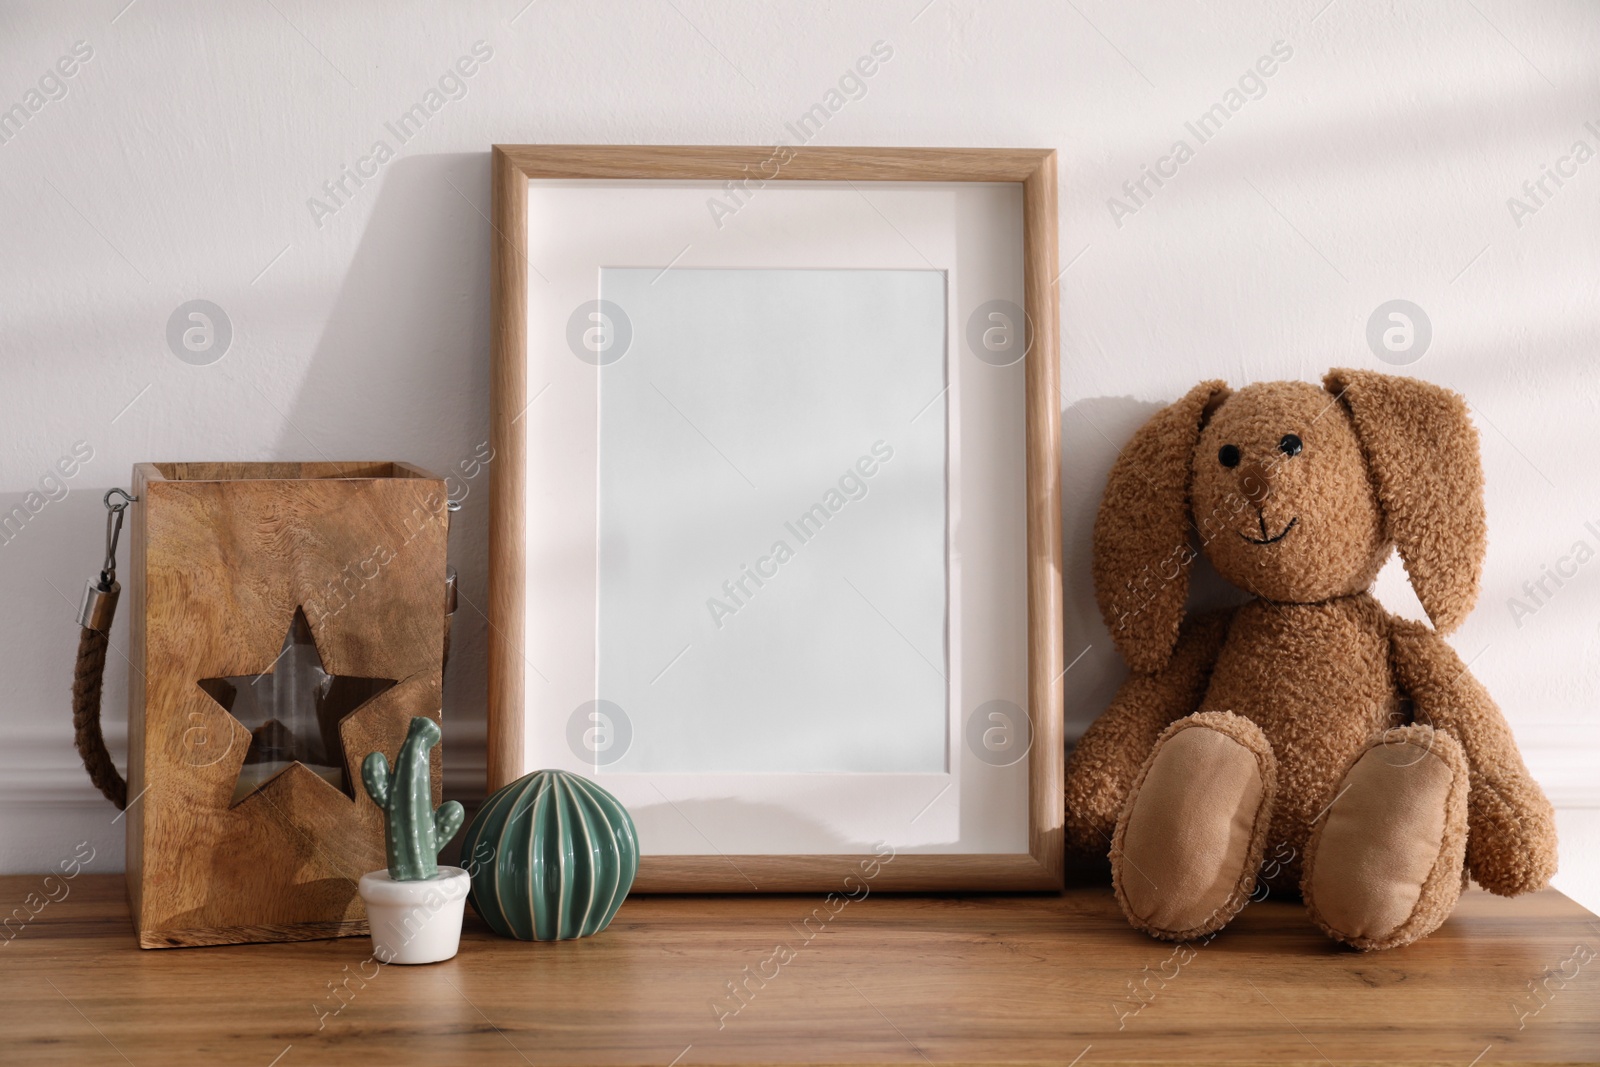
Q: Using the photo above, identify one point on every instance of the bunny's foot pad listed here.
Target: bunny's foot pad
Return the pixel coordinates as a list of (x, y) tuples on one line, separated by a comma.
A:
[(1384, 864), (1189, 841)]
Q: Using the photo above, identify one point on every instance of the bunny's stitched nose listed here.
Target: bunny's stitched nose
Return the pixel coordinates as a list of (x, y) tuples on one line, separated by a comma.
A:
[(1254, 483)]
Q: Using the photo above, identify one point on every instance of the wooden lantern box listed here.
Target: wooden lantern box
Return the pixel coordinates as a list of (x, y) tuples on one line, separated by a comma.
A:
[(287, 619)]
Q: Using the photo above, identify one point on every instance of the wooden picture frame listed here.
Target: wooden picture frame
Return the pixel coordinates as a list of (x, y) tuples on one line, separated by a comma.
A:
[(513, 168)]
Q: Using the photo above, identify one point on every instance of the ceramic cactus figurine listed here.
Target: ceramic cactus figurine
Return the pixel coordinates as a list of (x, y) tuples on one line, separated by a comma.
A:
[(414, 831)]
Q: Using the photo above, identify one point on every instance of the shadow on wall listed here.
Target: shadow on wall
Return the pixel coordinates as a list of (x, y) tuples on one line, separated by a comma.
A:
[(1093, 433), (401, 372)]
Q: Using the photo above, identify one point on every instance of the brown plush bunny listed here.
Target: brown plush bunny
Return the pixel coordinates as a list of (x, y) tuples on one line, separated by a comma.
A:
[(1309, 721)]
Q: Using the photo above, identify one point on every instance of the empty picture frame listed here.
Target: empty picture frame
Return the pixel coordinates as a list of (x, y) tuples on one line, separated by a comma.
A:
[(775, 548)]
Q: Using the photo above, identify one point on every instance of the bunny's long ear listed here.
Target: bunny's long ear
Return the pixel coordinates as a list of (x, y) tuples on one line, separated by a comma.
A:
[(1141, 536), (1422, 451)]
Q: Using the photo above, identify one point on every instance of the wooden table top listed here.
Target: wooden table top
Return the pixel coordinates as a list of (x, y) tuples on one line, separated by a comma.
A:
[(885, 979)]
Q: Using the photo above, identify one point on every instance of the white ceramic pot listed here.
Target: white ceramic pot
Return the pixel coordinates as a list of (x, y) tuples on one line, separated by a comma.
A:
[(415, 922)]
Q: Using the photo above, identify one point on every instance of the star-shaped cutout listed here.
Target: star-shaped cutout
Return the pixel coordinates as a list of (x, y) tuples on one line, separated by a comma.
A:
[(293, 712)]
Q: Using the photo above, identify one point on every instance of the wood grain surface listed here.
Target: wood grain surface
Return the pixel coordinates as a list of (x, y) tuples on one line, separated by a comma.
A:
[(1042, 445), (1035, 169), (508, 476), (816, 163), (222, 556), (1057, 978)]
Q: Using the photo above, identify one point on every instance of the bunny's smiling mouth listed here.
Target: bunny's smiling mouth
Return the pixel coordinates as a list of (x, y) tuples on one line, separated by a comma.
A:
[(1264, 539)]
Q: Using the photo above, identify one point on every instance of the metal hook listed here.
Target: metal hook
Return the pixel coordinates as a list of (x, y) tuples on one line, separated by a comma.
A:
[(100, 598), (108, 572)]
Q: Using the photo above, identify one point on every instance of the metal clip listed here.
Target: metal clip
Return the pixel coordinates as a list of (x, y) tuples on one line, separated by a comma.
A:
[(100, 597), (108, 572)]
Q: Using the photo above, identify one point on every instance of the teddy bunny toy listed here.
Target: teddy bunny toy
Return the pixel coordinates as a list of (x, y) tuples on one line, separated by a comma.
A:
[(1308, 720)]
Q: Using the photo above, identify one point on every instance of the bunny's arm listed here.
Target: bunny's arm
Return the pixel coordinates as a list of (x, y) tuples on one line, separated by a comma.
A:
[(1511, 835), (1106, 760)]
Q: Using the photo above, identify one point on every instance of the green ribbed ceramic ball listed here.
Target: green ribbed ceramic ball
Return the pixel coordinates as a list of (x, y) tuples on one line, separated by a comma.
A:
[(552, 855)]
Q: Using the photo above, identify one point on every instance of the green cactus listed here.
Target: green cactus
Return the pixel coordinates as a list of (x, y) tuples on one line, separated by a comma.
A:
[(414, 831)]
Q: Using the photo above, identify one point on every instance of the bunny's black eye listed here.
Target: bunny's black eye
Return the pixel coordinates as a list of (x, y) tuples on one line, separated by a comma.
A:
[(1290, 445), (1228, 455)]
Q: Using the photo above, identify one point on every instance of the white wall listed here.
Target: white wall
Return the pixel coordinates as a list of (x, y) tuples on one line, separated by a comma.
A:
[(1376, 164)]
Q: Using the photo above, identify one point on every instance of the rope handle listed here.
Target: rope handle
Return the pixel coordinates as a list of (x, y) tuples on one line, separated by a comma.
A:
[(88, 675), (95, 616)]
